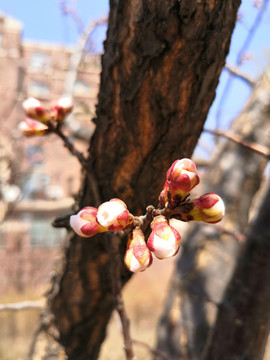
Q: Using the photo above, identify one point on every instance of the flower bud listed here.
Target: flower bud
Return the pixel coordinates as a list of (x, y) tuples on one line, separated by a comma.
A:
[(163, 196), (209, 208), (36, 110), (31, 127), (164, 240), (114, 215), (137, 257), (182, 177), (85, 222), (62, 108)]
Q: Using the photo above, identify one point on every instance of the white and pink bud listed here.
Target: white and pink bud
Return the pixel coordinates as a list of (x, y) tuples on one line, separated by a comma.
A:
[(85, 222), (62, 108), (209, 208), (31, 127), (137, 257), (164, 240), (34, 109), (182, 177), (114, 215), (163, 196)]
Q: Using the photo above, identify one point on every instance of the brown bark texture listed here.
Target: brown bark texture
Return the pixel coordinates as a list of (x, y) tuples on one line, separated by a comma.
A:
[(243, 322), (210, 254), (160, 69)]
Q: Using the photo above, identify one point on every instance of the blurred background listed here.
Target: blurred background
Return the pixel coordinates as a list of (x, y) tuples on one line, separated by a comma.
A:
[(47, 50)]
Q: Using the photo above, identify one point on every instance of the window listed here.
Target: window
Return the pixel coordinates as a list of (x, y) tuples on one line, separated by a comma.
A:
[(42, 233), (81, 89), (35, 155), (40, 62), (38, 90)]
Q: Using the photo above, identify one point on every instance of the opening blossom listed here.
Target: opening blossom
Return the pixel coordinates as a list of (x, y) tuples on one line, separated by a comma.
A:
[(164, 240), (85, 222), (137, 257), (114, 215)]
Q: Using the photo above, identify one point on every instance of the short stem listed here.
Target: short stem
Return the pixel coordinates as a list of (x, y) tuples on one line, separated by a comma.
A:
[(68, 144), (117, 286)]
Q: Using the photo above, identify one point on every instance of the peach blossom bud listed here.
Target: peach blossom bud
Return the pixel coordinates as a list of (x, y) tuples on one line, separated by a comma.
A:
[(114, 215), (85, 222), (182, 178), (164, 240), (137, 257), (62, 108), (36, 110), (209, 208), (163, 196), (31, 127)]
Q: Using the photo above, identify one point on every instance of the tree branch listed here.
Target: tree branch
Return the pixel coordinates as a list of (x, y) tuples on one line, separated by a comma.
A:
[(260, 149), (233, 70)]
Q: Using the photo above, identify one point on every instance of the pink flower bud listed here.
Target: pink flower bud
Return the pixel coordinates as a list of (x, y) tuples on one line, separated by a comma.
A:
[(182, 177), (137, 257), (35, 110), (62, 108), (85, 222), (164, 240), (114, 215), (163, 196), (209, 208), (31, 127)]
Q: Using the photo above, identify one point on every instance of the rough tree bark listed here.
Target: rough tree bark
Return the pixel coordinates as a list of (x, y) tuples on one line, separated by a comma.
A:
[(160, 70), (243, 322), (209, 256)]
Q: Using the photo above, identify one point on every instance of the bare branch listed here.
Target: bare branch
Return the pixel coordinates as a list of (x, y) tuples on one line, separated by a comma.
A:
[(233, 70), (260, 149), (157, 353), (22, 305), (120, 306)]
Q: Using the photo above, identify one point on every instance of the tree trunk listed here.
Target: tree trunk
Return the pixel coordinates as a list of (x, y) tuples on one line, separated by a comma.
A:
[(243, 322), (209, 256), (160, 70)]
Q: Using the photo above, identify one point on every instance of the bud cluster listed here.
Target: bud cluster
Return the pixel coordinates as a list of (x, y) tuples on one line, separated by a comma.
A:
[(164, 240), (39, 119)]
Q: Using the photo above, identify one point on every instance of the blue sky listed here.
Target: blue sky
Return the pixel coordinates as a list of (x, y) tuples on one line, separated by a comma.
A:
[(44, 21)]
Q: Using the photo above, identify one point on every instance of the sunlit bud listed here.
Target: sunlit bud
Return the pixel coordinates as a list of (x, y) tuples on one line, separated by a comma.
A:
[(163, 196), (36, 110), (31, 127), (114, 215), (85, 222), (62, 108), (182, 178), (209, 208), (137, 257), (164, 240)]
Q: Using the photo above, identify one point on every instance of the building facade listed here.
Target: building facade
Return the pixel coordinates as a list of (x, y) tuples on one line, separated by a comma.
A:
[(38, 175)]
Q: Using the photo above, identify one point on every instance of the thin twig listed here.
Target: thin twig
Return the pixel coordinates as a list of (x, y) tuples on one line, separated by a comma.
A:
[(233, 70), (239, 60), (154, 352), (260, 149), (21, 306), (117, 286), (70, 146)]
